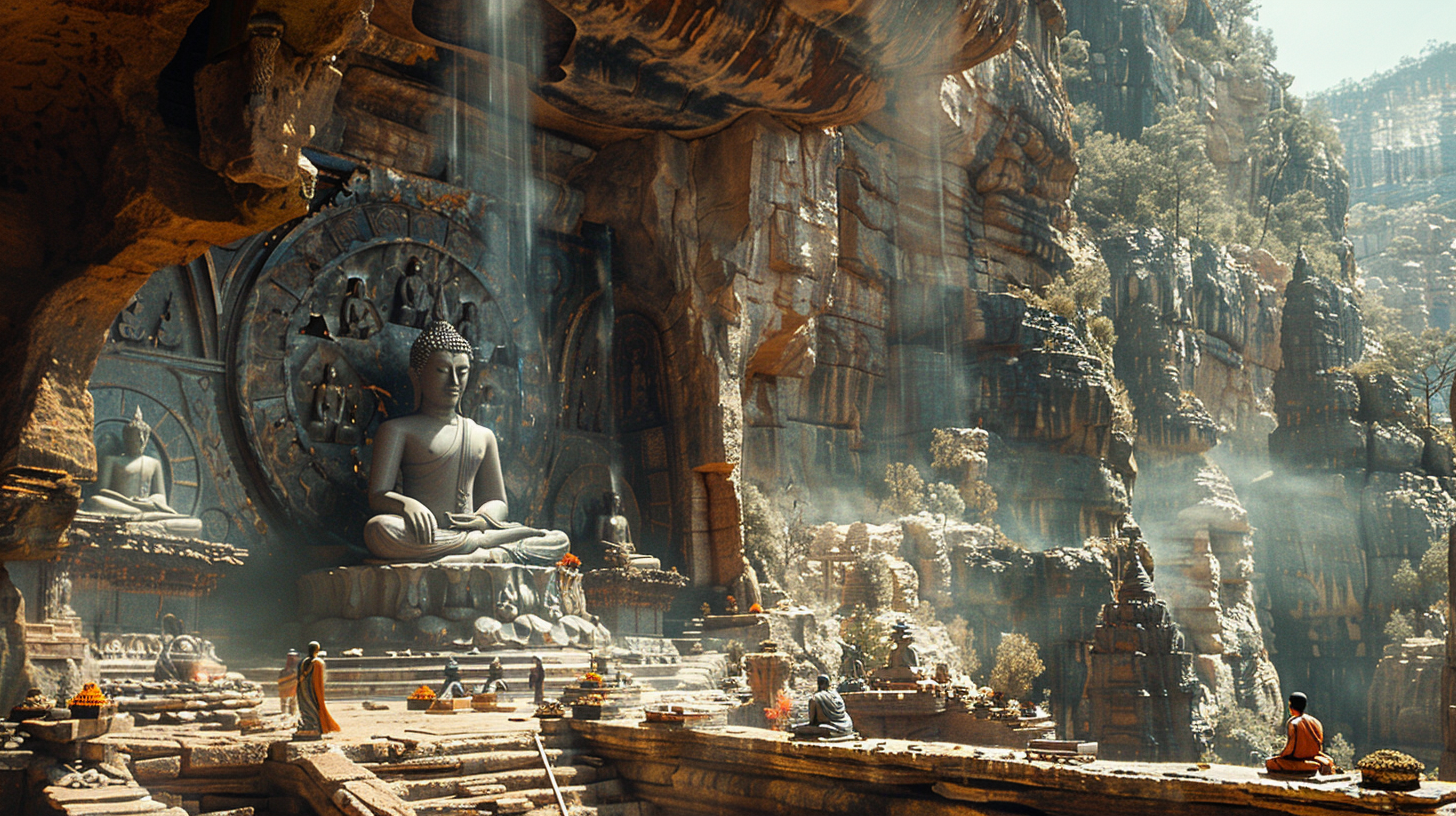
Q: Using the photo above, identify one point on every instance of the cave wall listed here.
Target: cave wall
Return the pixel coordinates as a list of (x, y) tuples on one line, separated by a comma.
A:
[(763, 233)]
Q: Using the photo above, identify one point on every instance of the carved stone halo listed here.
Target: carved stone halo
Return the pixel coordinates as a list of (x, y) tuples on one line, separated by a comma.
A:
[(308, 434)]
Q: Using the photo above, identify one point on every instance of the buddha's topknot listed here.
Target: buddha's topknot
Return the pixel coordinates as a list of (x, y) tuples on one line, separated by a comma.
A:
[(438, 336)]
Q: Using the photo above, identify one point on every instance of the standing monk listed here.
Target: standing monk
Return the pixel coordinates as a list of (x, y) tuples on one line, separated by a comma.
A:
[(538, 681), (288, 684), (313, 716), (1304, 752)]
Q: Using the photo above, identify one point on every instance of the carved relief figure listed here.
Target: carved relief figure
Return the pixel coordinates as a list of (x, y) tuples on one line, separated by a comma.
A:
[(436, 480), (357, 316), (469, 326), (328, 406), (412, 298), (129, 325), (133, 486), (169, 329)]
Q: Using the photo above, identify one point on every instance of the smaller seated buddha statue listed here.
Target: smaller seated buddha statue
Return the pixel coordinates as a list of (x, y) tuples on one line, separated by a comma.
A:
[(903, 664), (615, 534), (827, 715), (133, 488), (436, 484), (495, 679)]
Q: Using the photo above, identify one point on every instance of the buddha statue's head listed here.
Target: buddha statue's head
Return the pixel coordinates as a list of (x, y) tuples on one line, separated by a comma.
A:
[(439, 367), (136, 434)]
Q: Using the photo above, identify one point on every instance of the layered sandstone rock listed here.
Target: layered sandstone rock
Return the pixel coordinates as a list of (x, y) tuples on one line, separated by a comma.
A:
[(104, 184), (1351, 499), (1404, 691), (1194, 325)]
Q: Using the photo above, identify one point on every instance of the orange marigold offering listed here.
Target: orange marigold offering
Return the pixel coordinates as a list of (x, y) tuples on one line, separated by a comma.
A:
[(423, 693), (756, 609), (591, 677), (89, 695), (569, 561)]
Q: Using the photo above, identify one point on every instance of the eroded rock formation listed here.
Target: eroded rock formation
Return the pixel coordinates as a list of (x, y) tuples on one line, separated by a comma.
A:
[(1192, 323), (1351, 500), (103, 183)]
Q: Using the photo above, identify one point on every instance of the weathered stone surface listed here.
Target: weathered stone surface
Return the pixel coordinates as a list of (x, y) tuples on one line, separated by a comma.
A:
[(155, 770), (1349, 502), (105, 151), (1193, 329), (1404, 691), (637, 66)]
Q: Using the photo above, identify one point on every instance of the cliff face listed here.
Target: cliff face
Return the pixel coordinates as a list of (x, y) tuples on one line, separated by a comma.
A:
[(1195, 330), (1358, 487), (1399, 129)]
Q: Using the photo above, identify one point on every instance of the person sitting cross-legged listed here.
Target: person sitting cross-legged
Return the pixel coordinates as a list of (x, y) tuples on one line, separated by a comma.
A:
[(1304, 752)]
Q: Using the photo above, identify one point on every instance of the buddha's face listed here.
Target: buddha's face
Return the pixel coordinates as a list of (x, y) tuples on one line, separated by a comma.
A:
[(134, 440), (441, 380)]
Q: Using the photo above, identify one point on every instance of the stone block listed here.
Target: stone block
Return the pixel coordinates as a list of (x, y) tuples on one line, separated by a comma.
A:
[(378, 798), (1394, 448), (61, 731), (202, 759), (332, 767), (155, 770)]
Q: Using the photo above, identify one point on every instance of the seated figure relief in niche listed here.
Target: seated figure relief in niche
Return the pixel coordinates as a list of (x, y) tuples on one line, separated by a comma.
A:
[(357, 316), (133, 487), (413, 300), (436, 482)]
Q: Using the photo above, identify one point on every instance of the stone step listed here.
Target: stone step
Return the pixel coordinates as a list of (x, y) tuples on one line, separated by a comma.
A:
[(131, 808), (467, 764), (520, 801), (62, 797), (412, 790)]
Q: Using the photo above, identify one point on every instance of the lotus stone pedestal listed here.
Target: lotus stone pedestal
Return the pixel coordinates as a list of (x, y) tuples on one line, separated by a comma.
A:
[(432, 606)]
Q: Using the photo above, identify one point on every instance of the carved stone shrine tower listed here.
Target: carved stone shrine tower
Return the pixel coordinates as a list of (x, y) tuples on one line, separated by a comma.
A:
[(1140, 686)]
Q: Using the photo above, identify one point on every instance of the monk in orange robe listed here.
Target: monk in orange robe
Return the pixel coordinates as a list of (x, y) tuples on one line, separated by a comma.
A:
[(313, 716), (1304, 752)]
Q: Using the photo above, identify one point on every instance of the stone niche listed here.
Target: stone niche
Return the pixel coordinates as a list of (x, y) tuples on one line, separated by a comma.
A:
[(433, 605)]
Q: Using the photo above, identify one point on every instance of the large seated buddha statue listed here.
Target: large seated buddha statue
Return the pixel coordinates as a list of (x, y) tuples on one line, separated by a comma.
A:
[(134, 490), (436, 481)]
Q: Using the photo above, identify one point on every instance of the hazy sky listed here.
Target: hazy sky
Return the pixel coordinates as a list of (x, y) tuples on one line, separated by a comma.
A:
[(1324, 41)]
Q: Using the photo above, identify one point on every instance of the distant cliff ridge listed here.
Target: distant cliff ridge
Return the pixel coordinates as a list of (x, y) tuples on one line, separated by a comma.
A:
[(1399, 129)]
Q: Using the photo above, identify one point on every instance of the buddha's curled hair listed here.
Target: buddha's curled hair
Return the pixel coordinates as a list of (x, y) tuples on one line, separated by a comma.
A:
[(438, 336)]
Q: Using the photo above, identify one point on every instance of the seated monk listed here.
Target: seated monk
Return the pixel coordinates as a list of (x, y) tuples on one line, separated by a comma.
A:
[(436, 478), (1304, 752), (827, 715), (133, 488)]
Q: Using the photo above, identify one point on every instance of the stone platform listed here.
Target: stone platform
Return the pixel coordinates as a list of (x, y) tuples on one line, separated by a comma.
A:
[(426, 606), (751, 771)]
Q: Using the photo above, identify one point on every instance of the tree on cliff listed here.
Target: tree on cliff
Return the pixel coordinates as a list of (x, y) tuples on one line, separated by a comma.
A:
[(1164, 180), (1426, 362)]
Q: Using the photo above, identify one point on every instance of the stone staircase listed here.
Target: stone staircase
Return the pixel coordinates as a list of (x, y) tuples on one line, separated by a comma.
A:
[(502, 773)]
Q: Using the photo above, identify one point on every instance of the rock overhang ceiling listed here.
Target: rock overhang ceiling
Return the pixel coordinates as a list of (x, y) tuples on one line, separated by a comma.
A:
[(690, 68)]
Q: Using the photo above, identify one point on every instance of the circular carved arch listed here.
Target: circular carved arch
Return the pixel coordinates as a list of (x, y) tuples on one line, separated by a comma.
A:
[(324, 314)]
